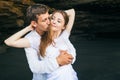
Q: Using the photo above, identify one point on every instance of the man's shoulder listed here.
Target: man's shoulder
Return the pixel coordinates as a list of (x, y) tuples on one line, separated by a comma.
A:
[(32, 34), (34, 39)]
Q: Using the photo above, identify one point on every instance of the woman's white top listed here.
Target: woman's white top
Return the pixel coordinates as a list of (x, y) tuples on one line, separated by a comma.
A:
[(65, 72)]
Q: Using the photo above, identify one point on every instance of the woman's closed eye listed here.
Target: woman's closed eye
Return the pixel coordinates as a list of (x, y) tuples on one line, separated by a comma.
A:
[(59, 21)]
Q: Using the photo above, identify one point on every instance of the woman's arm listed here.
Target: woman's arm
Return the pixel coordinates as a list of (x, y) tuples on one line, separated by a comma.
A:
[(71, 14), (16, 39)]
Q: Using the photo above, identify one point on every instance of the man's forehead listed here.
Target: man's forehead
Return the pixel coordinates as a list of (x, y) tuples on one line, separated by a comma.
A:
[(44, 15)]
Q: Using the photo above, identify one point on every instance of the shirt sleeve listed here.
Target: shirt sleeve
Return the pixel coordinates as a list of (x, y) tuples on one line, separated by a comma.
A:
[(65, 34), (30, 39), (71, 49), (40, 66)]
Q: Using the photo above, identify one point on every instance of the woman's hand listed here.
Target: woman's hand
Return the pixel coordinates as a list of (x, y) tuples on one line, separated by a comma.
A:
[(31, 27)]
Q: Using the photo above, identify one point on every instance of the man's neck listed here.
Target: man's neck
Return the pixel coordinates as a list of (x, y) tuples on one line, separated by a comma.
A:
[(40, 32)]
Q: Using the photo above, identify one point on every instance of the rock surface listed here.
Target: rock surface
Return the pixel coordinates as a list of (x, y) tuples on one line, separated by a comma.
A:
[(92, 16)]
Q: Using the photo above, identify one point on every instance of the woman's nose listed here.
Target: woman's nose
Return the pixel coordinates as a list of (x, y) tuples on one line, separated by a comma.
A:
[(54, 21)]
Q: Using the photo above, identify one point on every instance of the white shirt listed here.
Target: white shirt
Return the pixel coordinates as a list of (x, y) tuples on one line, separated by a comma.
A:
[(38, 66), (61, 43), (52, 51)]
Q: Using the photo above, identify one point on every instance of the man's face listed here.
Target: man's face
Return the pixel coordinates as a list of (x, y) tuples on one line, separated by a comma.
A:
[(42, 22)]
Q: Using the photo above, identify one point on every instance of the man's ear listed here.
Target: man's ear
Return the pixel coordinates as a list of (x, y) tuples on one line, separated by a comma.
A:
[(33, 23)]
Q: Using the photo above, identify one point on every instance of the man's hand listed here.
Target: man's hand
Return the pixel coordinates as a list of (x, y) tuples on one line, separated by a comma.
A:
[(64, 58)]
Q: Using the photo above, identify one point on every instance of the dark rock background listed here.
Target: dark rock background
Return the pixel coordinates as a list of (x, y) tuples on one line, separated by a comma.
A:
[(93, 17), (12, 16)]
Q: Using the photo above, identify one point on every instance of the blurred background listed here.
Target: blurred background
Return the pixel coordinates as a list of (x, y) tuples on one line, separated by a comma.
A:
[(95, 35)]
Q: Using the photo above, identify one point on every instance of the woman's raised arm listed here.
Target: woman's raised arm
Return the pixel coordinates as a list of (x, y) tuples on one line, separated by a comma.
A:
[(71, 14), (16, 39)]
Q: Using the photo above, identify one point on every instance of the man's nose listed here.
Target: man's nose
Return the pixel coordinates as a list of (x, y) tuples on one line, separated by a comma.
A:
[(48, 21)]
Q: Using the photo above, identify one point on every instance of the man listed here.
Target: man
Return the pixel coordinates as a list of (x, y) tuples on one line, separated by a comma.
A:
[(38, 18)]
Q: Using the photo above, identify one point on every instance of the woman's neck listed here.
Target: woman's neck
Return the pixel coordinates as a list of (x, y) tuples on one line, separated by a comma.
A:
[(56, 34)]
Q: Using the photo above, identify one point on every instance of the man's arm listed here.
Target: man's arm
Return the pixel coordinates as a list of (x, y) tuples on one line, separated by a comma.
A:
[(64, 55), (46, 65)]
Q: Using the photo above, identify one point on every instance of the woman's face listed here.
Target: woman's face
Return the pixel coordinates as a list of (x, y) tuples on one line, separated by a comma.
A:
[(57, 22)]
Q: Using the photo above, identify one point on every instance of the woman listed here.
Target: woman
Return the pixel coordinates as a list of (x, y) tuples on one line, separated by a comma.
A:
[(57, 38), (58, 23)]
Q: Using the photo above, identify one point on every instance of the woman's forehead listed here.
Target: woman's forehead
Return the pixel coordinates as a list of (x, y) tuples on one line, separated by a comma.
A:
[(58, 15)]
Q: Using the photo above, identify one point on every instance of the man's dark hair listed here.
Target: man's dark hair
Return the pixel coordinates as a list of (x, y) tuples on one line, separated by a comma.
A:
[(34, 10)]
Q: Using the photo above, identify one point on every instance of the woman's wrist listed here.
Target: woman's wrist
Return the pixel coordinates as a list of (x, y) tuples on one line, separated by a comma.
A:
[(28, 28)]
